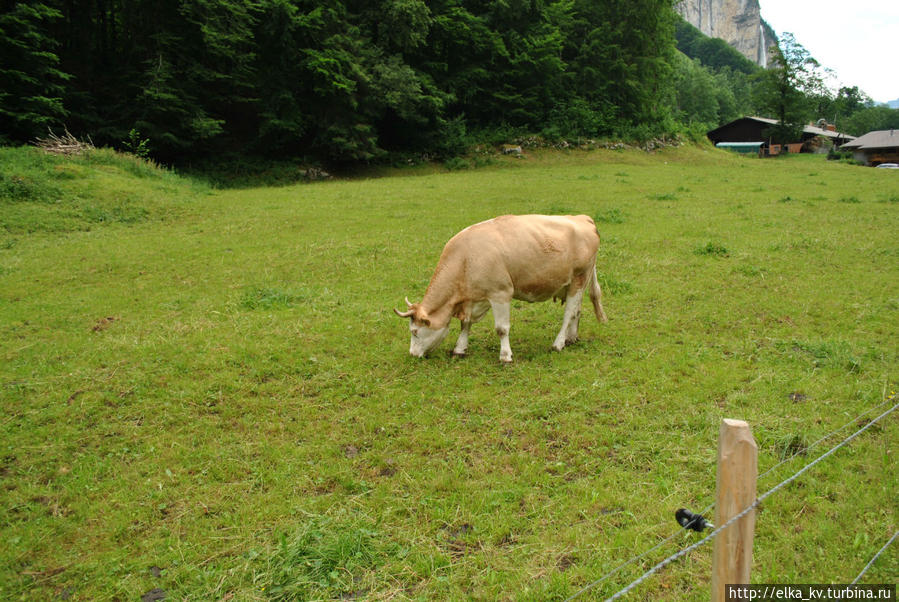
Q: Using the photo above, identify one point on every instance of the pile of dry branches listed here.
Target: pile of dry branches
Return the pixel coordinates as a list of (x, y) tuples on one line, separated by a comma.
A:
[(67, 144)]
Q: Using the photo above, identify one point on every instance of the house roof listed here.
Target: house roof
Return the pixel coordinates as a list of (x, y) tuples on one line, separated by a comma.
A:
[(876, 139), (808, 129)]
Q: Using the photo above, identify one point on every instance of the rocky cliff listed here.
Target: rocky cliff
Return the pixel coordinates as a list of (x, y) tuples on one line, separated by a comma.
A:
[(737, 22)]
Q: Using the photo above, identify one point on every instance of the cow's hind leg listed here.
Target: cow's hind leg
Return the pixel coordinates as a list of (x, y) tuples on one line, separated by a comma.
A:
[(568, 332), (502, 320)]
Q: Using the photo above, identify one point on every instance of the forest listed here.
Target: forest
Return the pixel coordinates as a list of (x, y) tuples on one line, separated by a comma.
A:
[(350, 81)]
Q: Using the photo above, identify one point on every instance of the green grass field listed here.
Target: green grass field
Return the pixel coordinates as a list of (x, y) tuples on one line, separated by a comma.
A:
[(206, 392)]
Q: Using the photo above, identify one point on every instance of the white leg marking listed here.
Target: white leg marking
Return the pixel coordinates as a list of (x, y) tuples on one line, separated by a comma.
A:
[(568, 333), (502, 313), (461, 348)]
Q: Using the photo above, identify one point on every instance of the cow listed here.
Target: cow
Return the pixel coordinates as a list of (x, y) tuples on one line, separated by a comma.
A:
[(485, 266)]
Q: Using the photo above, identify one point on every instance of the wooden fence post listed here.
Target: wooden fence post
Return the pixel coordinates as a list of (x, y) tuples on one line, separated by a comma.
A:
[(735, 491)]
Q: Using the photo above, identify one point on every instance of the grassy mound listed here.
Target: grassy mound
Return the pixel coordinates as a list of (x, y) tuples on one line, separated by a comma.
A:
[(41, 192)]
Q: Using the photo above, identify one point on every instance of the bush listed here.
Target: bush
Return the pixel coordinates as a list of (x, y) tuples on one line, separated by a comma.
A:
[(576, 119), (452, 138), (837, 155), (457, 163)]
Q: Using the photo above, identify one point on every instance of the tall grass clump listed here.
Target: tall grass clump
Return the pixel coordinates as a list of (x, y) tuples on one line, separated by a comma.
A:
[(713, 249), (323, 558)]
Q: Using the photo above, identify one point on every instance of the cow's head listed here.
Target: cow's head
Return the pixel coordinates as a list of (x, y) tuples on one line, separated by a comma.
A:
[(424, 337)]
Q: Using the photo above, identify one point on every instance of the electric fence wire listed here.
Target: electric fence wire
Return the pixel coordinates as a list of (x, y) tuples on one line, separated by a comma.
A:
[(876, 556), (811, 446), (733, 519), (705, 510), (624, 564)]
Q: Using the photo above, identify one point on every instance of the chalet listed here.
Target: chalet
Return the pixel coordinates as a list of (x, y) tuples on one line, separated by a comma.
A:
[(749, 135), (875, 148)]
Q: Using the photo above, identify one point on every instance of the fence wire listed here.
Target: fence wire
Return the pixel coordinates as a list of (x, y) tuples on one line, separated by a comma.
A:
[(737, 517), (876, 556)]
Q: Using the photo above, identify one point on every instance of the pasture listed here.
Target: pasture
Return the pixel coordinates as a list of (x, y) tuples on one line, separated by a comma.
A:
[(206, 392)]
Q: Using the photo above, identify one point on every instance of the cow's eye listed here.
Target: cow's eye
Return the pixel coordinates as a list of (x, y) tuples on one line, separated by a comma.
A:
[(415, 332)]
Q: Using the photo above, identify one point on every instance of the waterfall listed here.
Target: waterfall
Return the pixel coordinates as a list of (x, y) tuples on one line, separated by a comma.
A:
[(763, 51)]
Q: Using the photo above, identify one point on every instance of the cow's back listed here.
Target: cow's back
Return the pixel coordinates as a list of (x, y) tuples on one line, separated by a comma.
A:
[(531, 257)]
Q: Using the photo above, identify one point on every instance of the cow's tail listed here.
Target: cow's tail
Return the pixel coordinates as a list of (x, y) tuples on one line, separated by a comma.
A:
[(596, 297)]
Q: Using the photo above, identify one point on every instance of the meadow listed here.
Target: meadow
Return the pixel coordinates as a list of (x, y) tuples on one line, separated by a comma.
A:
[(206, 394)]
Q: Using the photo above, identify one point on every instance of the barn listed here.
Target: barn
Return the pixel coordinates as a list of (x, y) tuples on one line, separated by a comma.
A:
[(749, 134), (874, 148)]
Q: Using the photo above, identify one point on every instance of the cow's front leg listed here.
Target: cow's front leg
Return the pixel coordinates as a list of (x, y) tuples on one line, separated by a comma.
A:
[(478, 310), (461, 348), (568, 332), (502, 312)]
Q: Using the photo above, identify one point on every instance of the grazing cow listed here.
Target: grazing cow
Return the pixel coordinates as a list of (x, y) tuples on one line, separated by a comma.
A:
[(485, 266)]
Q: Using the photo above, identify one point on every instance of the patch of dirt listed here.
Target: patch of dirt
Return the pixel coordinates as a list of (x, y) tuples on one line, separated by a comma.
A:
[(565, 562), (457, 546), (104, 323), (157, 593)]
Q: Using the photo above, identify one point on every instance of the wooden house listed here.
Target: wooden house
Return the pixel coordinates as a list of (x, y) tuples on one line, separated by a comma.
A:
[(874, 148), (750, 134)]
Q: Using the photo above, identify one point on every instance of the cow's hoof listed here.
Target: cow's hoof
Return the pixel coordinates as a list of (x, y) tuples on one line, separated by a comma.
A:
[(455, 353), (558, 347)]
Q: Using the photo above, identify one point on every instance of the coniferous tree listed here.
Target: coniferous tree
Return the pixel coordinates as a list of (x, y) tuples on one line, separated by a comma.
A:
[(31, 82)]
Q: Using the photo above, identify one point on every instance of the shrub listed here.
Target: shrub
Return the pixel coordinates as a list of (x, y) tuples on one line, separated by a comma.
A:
[(457, 163), (136, 146)]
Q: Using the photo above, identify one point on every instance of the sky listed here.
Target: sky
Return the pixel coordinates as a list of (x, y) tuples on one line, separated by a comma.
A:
[(857, 39)]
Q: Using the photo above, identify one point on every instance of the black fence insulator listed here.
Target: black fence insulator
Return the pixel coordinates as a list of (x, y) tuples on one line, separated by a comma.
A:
[(688, 520)]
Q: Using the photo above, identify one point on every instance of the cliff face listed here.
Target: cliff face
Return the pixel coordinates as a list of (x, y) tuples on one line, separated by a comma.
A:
[(737, 22)]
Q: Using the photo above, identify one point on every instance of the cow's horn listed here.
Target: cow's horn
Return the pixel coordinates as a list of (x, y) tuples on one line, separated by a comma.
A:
[(404, 314)]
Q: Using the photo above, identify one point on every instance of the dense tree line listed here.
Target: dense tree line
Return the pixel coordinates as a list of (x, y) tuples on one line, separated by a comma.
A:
[(350, 80), (339, 80)]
